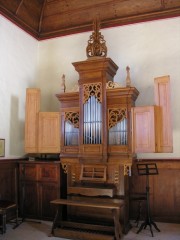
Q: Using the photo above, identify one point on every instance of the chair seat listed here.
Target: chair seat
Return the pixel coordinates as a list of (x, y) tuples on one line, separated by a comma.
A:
[(5, 204)]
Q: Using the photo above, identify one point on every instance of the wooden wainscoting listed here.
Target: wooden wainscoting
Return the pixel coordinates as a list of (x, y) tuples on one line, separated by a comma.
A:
[(8, 179), (9, 183), (164, 189)]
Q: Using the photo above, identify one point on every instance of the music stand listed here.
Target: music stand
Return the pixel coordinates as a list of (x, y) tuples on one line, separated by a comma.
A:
[(147, 169)]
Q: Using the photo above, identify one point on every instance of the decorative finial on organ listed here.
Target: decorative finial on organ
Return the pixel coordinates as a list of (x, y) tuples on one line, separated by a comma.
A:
[(96, 43), (63, 86), (128, 78)]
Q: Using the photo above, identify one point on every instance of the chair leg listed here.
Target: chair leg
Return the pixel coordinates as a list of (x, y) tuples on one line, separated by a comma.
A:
[(16, 220), (3, 223), (138, 213)]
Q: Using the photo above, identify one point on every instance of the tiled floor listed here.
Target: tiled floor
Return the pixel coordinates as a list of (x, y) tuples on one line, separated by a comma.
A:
[(40, 231)]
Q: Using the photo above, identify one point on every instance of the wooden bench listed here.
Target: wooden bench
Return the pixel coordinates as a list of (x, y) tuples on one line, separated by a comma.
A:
[(113, 207)]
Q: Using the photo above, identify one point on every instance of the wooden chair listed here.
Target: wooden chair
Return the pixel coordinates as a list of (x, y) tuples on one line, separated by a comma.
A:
[(5, 207)]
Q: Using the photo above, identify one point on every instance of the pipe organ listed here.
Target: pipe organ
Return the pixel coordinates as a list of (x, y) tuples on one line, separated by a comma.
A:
[(96, 150)]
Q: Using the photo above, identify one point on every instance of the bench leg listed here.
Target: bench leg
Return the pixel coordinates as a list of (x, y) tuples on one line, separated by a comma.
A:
[(54, 221), (117, 225)]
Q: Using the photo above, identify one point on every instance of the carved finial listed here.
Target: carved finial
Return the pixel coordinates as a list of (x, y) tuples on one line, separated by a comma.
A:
[(63, 86), (96, 43), (128, 78)]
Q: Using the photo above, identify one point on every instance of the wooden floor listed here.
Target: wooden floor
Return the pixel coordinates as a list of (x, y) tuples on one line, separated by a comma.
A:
[(40, 231)]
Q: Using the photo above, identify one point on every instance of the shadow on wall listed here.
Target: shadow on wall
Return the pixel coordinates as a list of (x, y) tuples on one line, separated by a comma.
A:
[(146, 96), (16, 134)]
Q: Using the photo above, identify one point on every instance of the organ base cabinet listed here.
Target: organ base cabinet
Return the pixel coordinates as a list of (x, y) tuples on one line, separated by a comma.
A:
[(39, 184)]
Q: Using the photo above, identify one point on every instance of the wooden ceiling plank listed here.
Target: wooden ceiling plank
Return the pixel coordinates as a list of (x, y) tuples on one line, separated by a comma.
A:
[(20, 4), (172, 4), (11, 5), (52, 18), (105, 13), (41, 16), (30, 12), (111, 23), (62, 9)]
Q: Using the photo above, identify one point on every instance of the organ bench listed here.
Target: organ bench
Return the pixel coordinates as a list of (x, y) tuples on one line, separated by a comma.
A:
[(80, 230)]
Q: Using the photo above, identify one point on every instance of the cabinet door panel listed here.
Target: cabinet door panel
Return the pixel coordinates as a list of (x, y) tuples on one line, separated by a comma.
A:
[(48, 192), (28, 172), (29, 199), (49, 132), (144, 135), (39, 184), (49, 172)]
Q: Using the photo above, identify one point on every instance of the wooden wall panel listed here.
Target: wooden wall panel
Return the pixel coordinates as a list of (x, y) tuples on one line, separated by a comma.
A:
[(8, 180), (8, 183), (166, 196), (164, 189)]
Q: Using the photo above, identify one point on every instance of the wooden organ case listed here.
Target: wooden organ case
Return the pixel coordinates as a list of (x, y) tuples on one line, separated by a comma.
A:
[(96, 152)]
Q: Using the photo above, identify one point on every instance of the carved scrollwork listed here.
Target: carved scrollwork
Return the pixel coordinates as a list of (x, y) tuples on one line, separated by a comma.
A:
[(116, 176), (127, 169), (64, 167), (72, 117), (93, 89), (96, 43), (73, 177), (112, 84), (116, 115)]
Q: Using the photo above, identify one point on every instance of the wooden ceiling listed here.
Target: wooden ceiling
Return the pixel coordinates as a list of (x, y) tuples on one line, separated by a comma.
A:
[(52, 18)]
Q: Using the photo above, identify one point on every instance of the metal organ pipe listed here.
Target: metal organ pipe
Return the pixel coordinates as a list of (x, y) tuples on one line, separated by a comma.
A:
[(92, 121)]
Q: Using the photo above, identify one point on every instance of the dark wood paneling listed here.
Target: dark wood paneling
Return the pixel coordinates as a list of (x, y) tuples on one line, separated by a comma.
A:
[(164, 189), (8, 180), (9, 183)]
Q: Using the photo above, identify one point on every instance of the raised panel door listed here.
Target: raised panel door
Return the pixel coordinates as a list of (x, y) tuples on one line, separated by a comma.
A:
[(47, 193), (29, 204), (28, 172), (31, 120), (162, 99), (49, 132), (144, 129)]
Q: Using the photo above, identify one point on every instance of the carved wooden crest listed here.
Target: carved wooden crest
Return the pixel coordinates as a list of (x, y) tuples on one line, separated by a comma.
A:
[(96, 44)]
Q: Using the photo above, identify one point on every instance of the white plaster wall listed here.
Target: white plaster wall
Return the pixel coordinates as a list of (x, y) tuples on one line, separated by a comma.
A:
[(151, 49), (18, 62)]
